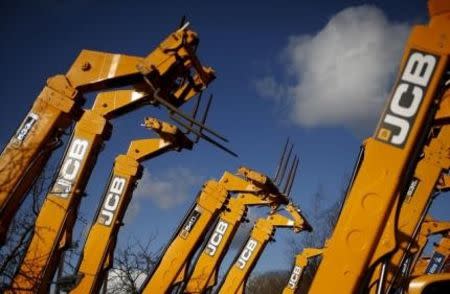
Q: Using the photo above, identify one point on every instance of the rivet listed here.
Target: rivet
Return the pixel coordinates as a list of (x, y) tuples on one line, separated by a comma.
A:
[(86, 66)]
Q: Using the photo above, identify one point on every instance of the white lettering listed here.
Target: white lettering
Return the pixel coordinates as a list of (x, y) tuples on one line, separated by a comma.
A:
[(70, 167), (295, 277), (400, 123), (216, 238), (409, 111), (408, 96), (419, 68), (246, 253), (112, 200)]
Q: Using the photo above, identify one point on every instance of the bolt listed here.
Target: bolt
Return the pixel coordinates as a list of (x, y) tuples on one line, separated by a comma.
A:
[(86, 66)]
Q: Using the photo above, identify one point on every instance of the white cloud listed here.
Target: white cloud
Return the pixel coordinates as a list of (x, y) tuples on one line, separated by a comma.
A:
[(342, 74), (167, 189)]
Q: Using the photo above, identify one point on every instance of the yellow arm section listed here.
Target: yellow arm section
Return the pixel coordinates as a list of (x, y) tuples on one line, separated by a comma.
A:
[(429, 228), (30, 147), (430, 284), (301, 262), (204, 274), (59, 104), (388, 161), (437, 262), (261, 234), (188, 237), (429, 176), (127, 170), (55, 221), (172, 266)]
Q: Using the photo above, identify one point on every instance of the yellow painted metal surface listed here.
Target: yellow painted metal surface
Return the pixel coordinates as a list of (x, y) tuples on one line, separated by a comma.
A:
[(301, 262), (161, 72), (261, 234), (389, 160), (427, 284), (60, 102), (429, 266), (191, 232), (205, 271), (98, 251)]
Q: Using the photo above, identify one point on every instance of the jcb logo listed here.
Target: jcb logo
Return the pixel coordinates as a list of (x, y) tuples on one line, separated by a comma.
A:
[(403, 107), (25, 128), (246, 253), (190, 222), (216, 238), (109, 207), (70, 167), (295, 277), (436, 263)]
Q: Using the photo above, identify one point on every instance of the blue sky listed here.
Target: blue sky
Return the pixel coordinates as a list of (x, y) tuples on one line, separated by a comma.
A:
[(261, 52)]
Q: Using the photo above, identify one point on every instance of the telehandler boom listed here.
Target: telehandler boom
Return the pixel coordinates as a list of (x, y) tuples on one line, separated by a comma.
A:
[(301, 262), (204, 274), (54, 224), (98, 252), (261, 234), (411, 125), (173, 265), (172, 71), (427, 183), (438, 262), (429, 227), (205, 271)]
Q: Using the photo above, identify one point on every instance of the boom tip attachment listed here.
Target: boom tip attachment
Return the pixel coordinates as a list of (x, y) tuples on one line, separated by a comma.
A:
[(198, 128), (284, 165)]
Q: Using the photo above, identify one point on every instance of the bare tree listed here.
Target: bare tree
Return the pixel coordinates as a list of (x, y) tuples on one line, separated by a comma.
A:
[(323, 220), (267, 282), (131, 266), (21, 229)]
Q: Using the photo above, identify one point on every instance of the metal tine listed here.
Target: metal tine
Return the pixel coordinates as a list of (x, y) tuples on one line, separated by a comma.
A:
[(288, 192), (205, 115), (289, 175), (195, 110), (185, 116), (182, 22), (277, 173), (285, 165), (203, 136)]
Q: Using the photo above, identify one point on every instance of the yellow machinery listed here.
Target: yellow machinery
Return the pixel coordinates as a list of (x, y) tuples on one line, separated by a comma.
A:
[(158, 75), (167, 73), (262, 233), (203, 276), (205, 272), (301, 262), (428, 228), (409, 221), (438, 262), (188, 236), (430, 284), (97, 257), (173, 265), (413, 126)]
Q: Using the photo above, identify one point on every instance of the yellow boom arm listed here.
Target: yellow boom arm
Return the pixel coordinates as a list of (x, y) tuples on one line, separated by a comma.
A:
[(438, 260), (52, 233), (261, 234), (172, 267), (301, 262), (60, 103), (389, 159), (98, 252), (204, 274), (187, 238)]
